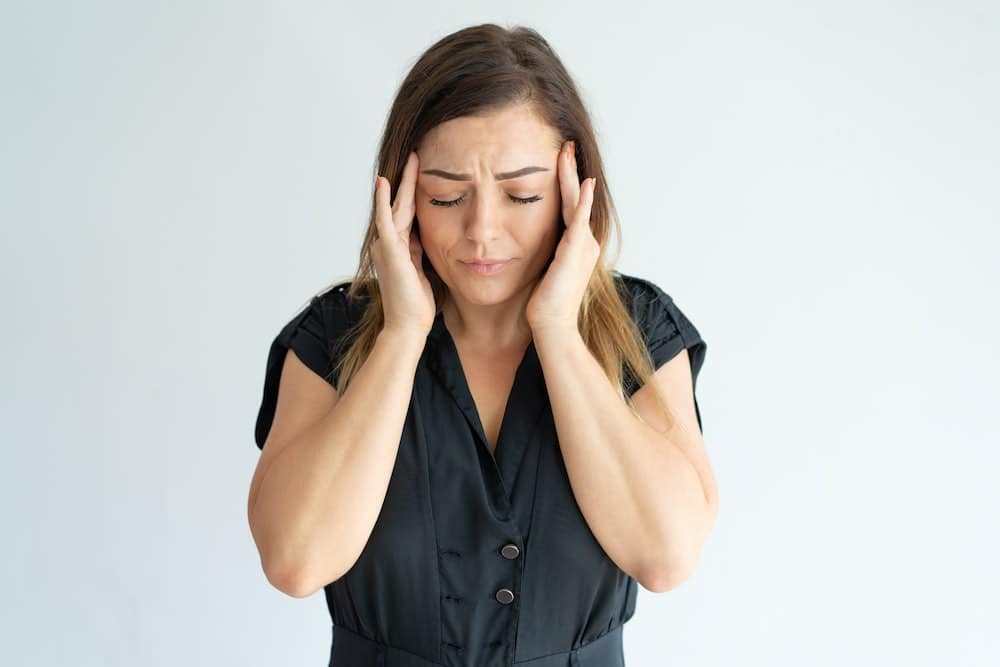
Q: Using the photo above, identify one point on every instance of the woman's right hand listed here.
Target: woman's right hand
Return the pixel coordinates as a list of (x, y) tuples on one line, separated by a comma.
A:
[(407, 298)]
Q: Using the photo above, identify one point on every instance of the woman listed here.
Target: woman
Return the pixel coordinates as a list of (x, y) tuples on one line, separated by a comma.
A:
[(469, 449)]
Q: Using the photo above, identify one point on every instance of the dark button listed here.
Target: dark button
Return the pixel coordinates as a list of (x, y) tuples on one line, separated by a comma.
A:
[(505, 596), (510, 551)]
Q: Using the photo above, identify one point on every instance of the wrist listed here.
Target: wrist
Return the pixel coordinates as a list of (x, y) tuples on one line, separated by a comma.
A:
[(405, 335)]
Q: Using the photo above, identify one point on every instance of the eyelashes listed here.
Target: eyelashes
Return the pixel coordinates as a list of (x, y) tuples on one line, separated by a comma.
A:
[(456, 202)]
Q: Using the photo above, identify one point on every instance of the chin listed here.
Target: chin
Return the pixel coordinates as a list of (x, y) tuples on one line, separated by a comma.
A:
[(484, 289)]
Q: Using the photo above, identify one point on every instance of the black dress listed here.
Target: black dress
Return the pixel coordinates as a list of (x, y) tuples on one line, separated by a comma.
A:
[(477, 559)]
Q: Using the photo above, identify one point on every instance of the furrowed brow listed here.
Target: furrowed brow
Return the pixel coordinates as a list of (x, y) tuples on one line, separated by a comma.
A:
[(523, 171)]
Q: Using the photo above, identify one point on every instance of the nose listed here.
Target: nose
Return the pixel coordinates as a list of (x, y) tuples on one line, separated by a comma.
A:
[(483, 224)]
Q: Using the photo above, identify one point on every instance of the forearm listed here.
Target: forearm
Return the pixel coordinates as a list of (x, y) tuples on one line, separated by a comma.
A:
[(641, 496), (319, 499)]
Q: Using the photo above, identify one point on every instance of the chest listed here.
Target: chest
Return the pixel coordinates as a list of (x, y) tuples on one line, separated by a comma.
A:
[(490, 381), (441, 539)]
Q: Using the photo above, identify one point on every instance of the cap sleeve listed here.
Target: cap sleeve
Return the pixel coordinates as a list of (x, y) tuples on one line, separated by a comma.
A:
[(666, 329), (315, 334)]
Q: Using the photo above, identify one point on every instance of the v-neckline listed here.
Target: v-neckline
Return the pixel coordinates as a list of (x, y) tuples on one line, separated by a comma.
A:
[(521, 412)]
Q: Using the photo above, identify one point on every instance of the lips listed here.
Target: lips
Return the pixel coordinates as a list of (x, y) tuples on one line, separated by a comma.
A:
[(488, 266)]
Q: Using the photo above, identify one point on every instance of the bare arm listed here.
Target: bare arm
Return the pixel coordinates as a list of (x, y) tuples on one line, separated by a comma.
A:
[(649, 497), (315, 499)]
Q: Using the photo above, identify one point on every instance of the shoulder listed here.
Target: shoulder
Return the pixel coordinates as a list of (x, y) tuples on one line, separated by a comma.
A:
[(318, 334), (332, 297), (321, 329), (337, 307), (665, 327), (642, 295)]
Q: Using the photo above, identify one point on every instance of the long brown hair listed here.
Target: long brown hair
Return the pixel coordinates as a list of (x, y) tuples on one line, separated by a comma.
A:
[(480, 70)]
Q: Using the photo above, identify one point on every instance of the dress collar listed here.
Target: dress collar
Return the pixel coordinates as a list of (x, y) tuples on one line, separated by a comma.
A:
[(528, 397)]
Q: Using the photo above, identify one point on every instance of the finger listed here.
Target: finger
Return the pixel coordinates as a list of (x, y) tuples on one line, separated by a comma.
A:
[(383, 214), (404, 206), (569, 181), (416, 253), (581, 216)]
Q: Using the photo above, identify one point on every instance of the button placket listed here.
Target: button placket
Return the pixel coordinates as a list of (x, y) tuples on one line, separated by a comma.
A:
[(509, 551)]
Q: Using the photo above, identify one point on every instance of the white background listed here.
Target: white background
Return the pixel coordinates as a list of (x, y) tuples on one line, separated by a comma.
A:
[(815, 183)]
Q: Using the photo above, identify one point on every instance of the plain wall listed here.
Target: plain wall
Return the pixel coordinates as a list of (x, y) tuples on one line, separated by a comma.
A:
[(815, 183)]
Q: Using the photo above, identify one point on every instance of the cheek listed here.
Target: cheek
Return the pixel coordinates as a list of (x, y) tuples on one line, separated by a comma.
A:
[(426, 219), (435, 234), (547, 225)]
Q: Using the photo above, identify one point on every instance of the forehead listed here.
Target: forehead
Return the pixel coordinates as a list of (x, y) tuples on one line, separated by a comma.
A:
[(513, 131)]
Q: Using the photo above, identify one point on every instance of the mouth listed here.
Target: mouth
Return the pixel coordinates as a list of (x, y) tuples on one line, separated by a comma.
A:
[(487, 266)]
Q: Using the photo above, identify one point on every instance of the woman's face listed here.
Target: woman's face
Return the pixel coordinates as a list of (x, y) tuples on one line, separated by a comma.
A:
[(472, 214)]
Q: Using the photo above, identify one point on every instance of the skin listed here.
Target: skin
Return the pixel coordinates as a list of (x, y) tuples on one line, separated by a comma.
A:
[(648, 494), (489, 312)]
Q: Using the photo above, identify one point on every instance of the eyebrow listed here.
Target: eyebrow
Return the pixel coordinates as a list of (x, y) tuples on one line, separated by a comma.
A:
[(466, 177)]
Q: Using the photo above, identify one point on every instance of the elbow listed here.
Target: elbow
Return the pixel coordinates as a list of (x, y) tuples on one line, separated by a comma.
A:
[(668, 572), (287, 574), (298, 580), (284, 572), (294, 570), (667, 569), (291, 581), (666, 577)]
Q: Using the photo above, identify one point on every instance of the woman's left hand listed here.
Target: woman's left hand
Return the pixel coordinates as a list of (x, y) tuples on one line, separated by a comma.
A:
[(556, 299)]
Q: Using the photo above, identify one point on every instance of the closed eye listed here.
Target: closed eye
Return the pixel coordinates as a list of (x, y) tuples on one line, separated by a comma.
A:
[(456, 202)]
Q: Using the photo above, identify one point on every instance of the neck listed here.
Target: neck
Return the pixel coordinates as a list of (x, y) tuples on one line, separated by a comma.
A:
[(499, 326)]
